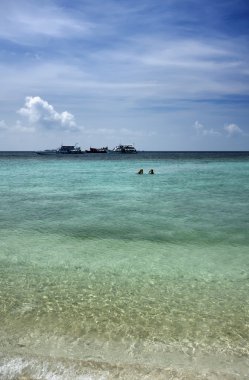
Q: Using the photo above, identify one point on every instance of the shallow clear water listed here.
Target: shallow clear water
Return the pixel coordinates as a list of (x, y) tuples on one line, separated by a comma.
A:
[(106, 273)]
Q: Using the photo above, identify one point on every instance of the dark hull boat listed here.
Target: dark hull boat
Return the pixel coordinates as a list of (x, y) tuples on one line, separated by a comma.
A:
[(97, 150)]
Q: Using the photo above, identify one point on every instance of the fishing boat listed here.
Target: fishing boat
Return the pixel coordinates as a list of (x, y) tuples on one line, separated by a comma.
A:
[(124, 149), (97, 150), (64, 149)]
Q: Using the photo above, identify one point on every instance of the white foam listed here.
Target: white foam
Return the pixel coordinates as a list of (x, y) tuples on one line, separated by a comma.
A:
[(32, 369)]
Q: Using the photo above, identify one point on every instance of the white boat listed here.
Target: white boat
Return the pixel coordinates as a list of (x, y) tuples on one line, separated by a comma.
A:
[(124, 149), (64, 149)]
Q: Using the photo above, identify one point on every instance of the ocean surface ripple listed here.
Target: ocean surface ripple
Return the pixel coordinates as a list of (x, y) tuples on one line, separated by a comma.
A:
[(108, 274)]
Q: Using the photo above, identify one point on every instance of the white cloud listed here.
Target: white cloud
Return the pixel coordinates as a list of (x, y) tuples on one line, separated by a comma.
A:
[(202, 130), (233, 130), (39, 113), (24, 22)]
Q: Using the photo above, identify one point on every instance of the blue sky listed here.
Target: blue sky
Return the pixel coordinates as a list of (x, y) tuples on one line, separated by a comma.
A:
[(162, 74)]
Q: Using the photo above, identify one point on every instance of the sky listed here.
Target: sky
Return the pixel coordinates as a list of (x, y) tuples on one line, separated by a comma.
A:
[(159, 74)]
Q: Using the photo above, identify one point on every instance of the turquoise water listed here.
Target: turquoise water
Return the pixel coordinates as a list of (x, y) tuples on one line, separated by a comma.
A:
[(107, 274)]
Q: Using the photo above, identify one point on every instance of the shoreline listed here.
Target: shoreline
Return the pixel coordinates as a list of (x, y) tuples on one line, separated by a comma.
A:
[(63, 358), (177, 366)]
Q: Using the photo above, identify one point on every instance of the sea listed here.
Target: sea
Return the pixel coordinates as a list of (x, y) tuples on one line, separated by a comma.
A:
[(106, 274)]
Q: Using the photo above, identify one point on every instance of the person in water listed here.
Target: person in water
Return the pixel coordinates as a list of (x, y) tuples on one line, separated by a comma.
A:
[(151, 171), (141, 171)]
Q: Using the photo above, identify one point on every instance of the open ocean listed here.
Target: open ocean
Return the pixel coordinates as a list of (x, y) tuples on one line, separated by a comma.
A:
[(106, 274)]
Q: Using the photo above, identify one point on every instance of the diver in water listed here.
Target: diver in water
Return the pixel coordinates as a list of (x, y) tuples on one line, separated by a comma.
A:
[(151, 171), (141, 171)]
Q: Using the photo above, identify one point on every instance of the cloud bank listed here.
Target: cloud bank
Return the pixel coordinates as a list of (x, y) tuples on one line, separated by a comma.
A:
[(233, 130), (202, 130), (229, 130), (37, 112)]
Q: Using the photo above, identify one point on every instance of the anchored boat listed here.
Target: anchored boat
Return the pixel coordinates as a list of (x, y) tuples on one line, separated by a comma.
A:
[(124, 149), (97, 150), (64, 149)]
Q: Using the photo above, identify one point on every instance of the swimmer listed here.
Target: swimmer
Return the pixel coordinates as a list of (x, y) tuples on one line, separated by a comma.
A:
[(151, 171), (141, 171)]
